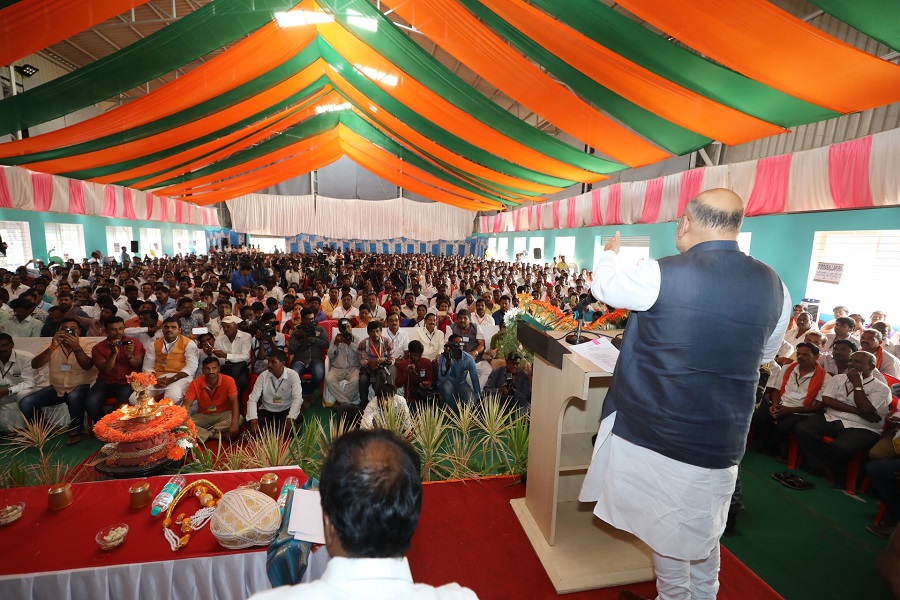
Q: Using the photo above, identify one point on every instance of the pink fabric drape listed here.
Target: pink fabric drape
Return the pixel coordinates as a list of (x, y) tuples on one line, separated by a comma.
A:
[(570, 214), (556, 215), (848, 173), (148, 199), (498, 222), (179, 211), (691, 182), (128, 205), (42, 184), (770, 189), (109, 206), (5, 196), (205, 212), (485, 225), (596, 208), (76, 196), (535, 220), (517, 220), (612, 207), (163, 209), (652, 201)]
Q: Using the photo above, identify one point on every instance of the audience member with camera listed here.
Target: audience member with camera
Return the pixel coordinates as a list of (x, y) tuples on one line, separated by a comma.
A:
[(415, 375), (70, 370), (454, 367), (232, 348), (374, 360), (266, 340), (116, 357), (342, 380), (308, 342), (511, 383)]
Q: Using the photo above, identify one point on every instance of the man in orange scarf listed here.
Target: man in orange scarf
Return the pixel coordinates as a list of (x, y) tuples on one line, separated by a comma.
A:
[(872, 341), (797, 394)]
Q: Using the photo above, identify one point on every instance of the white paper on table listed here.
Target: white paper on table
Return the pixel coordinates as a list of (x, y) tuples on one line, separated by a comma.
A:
[(599, 351), (306, 517)]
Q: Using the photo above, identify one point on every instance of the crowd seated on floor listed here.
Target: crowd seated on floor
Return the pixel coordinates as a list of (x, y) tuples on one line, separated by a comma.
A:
[(830, 400), (253, 332)]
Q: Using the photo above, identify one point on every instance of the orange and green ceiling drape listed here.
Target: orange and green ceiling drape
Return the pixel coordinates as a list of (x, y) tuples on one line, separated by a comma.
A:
[(283, 100)]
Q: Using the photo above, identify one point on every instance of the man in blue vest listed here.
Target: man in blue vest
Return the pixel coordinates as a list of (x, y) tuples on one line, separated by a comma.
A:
[(674, 423)]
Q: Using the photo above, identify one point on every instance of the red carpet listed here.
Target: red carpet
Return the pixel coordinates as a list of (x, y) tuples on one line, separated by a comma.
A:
[(469, 534)]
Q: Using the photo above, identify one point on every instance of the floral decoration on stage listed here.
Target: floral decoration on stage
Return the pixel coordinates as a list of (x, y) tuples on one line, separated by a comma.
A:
[(550, 316), (146, 433)]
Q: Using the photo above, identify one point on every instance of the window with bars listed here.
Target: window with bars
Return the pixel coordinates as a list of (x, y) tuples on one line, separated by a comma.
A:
[(870, 279), (634, 248), (17, 235), (65, 240), (116, 238), (150, 242)]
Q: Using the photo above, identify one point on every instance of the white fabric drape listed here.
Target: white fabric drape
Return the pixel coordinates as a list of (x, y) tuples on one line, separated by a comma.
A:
[(632, 202), (266, 214), (743, 176), (668, 208), (884, 176), (808, 187)]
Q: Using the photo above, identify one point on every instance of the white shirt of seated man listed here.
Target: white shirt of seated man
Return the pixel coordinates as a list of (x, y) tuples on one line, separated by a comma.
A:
[(871, 341), (351, 572), (165, 352)]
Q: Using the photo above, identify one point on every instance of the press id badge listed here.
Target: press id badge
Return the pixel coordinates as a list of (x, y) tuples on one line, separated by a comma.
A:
[(65, 368), (212, 408), (465, 338), (422, 373), (276, 400)]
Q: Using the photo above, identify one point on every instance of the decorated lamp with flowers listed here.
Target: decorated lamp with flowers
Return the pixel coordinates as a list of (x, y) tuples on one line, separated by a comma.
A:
[(151, 432)]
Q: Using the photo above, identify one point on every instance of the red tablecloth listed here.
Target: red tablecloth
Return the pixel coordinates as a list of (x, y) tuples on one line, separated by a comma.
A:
[(44, 540)]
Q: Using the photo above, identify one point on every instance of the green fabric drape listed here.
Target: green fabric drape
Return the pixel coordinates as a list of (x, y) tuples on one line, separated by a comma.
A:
[(397, 47), (239, 94), (195, 35), (878, 19), (446, 139), (620, 34), (231, 128), (668, 135)]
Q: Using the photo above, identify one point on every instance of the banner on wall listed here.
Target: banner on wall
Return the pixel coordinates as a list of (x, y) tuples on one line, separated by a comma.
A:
[(306, 243), (829, 272)]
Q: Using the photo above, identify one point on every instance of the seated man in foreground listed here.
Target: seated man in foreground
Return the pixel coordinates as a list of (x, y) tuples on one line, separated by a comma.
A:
[(217, 401), (371, 499), (856, 403)]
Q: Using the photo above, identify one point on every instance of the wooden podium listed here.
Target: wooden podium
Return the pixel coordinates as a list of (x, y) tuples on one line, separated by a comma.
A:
[(578, 550)]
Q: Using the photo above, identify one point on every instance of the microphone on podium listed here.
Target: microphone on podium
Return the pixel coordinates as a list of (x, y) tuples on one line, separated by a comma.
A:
[(576, 338)]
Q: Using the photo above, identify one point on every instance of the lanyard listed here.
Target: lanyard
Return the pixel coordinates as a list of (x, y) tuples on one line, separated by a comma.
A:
[(377, 353), (166, 349), (278, 387), (12, 363)]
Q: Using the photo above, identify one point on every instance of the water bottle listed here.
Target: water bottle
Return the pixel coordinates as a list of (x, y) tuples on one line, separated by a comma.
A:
[(289, 484), (168, 493)]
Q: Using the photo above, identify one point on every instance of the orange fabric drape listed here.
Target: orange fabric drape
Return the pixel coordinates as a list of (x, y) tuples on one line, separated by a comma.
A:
[(431, 105), (316, 158), (414, 137), (352, 139), (253, 56), (765, 43), (221, 178), (32, 25), (455, 30), (221, 147), (185, 133), (643, 87), (386, 166)]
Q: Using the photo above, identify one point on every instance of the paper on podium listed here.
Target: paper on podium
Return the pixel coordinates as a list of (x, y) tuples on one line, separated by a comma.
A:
[(306, 517), (599, 351)]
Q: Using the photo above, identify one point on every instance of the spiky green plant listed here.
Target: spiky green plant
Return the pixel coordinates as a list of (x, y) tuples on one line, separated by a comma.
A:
[(336, 428), (203, 459), (429, 433), (13, 473), (516, 444), (268, 448), (393, 418), (35, 434), (305, 448), (492, 418), (460, 456)]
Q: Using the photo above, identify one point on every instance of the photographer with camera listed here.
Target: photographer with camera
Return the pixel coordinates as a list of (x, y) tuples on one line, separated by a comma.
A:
[(308, 341), (116, 357), (454, 366), (70, 371), (415, 375), (511, 383), (266, 340), (343, 376), (374, 359)]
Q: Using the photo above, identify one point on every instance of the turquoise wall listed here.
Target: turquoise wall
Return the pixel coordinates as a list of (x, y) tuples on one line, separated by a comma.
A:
[(94, 229), (783, 241)]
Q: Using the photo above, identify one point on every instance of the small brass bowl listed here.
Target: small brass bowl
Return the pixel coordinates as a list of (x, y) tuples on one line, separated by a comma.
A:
[(268, 485), (139, 495), (60, 496)]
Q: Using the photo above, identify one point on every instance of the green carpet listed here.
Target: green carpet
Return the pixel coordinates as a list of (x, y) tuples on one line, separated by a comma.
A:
[(806, 544)]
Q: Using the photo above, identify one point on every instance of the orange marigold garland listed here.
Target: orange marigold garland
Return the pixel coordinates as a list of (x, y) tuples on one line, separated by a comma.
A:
[(173, 421), (547, 314)]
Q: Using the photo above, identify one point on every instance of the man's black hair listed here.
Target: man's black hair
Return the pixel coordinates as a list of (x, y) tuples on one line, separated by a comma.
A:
[(850, 343), (371, 491), (811, 347), (846, 321)]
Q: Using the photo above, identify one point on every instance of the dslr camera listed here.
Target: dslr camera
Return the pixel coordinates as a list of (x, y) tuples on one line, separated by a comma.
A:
[(510, 384), (68, 330), (454, 350), (344, 330), (268, 329), (119, 343)]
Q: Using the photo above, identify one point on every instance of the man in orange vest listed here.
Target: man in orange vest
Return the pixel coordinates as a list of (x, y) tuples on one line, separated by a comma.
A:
[(173, 358)]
